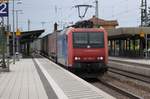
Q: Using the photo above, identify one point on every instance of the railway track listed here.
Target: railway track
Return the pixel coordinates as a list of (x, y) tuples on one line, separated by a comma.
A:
[(119, 90), (135, 76), (128, 74), (130, 63), (130, 70)]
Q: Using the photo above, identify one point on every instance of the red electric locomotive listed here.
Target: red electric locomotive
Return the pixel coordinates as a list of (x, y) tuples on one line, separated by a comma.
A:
[(83, 50)]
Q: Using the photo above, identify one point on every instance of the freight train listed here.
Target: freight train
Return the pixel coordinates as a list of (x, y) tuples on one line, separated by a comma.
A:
[(83, 51)]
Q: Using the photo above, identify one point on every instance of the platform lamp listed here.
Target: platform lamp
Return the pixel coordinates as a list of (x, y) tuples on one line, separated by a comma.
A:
[(14, 36)]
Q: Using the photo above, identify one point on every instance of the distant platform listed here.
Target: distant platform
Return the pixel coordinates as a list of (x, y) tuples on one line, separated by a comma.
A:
[(132, 60)]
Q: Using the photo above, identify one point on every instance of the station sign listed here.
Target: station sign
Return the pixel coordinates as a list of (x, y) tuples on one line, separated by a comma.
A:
[(18, 33), (4, 10), (142, 34)]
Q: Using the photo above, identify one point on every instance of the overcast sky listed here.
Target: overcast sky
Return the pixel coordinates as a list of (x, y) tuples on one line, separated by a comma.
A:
[(127, 12)]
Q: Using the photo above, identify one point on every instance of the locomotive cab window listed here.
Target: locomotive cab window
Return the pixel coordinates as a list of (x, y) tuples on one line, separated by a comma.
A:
[(80, 38), (92, 39), (96, 39)]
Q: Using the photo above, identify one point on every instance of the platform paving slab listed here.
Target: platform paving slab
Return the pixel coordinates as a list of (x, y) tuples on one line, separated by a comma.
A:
[(22, 82)]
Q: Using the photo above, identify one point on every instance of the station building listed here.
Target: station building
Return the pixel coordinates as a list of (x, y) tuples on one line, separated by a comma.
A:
[(129, 42), (107, 24), (125, 41)]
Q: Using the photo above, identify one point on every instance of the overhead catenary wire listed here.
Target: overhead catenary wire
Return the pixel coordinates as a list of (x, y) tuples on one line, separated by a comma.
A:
[(71, 14), (122, 15), (114, 15)]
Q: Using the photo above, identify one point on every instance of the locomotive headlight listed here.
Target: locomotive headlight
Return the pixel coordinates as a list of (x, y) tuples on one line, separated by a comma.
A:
[(100, 58), (77, 58)]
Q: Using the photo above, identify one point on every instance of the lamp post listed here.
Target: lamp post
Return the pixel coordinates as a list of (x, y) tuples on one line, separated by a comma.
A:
[(17, 36), (43, 24), (13, 14), (17, 18), (96, 8), (14, 36)]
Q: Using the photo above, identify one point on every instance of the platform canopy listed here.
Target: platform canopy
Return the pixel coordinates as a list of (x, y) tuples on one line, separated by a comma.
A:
[(127, 32), (29, 36)]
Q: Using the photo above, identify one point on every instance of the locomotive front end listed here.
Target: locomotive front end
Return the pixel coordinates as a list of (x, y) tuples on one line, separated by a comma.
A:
[(89, 51)]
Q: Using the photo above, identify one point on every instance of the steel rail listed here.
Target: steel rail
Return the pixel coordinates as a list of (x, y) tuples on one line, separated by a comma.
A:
[(120, 90), (129, 74), (130, 63)]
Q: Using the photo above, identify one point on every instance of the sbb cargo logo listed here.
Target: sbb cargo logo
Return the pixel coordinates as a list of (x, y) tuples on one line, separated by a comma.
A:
[(3, 8)]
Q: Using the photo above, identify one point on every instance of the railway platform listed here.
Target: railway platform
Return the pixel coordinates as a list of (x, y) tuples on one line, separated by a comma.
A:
[(22, 82), (39, 78)]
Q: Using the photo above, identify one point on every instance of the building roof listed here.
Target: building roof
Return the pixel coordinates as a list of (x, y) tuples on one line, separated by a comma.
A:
[(28, 36), (128, 30), (123, 32), (103, 22)]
